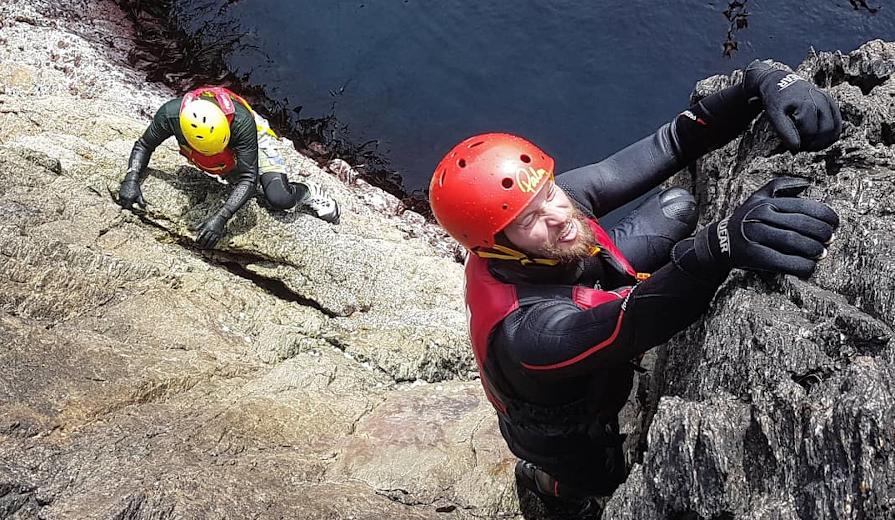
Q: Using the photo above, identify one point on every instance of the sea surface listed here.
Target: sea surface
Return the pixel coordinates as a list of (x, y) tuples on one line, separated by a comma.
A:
[(580, 78)]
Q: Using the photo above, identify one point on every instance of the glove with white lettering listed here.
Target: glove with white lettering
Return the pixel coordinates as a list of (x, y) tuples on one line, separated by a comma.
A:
[(773, 230), (805, 117), (209, 232)]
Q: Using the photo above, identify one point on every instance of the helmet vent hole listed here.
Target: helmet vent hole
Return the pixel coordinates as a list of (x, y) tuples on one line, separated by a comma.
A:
[(505, 206), (199, 137), (507, 183), (525, 158), (461, 163), (441, 178), (477, 143)]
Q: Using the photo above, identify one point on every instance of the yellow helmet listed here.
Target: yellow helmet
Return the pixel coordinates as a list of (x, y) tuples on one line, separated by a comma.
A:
[(205, 127)]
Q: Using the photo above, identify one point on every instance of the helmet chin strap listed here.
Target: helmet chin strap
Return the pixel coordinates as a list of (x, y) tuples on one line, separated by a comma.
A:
[(500, 252)]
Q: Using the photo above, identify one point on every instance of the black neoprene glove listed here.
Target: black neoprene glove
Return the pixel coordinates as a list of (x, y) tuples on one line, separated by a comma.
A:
[(129, 193), (772, 231), (805, 117), (209, 232)]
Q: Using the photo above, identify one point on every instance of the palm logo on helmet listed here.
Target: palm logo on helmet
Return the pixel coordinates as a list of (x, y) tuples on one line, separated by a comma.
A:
[(205, 126), (484, 183)]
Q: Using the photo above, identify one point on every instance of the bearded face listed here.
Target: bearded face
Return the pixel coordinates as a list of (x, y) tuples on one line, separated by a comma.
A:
[(576, 249), (552, 227)]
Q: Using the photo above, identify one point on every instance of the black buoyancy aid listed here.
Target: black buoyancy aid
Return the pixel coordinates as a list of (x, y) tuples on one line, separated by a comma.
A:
[(223, 162), (489, 301)]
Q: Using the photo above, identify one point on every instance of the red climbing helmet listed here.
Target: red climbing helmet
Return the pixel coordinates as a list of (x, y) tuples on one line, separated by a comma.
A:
[(484, 183)]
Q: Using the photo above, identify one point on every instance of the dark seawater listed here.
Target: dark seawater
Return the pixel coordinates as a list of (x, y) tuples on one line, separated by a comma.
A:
[(580, 78)]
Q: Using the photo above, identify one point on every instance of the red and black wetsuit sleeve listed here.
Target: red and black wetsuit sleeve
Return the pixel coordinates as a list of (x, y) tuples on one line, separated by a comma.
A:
[(622, 177), (559, 339)]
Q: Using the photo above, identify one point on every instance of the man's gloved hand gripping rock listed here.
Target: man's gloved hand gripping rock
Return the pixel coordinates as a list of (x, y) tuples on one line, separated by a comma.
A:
[(805, 117), (209, 232), (773, 230), (129, 193)]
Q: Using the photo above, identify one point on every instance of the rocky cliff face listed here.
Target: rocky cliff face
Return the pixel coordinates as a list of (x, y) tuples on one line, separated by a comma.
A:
[(303, 370), (779, 402)]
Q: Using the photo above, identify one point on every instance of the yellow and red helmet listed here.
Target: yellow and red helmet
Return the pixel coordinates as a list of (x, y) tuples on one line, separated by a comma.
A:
[(484, 183), (205, 126)]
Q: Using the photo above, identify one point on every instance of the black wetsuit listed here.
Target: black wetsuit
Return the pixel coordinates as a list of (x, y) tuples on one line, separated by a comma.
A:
[(539, 357), (244, 144)]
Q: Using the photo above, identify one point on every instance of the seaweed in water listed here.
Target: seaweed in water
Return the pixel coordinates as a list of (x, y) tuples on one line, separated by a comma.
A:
[(737, 19)]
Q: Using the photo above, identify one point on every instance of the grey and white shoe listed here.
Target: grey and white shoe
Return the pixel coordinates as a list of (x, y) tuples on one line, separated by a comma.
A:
[(317, 202)]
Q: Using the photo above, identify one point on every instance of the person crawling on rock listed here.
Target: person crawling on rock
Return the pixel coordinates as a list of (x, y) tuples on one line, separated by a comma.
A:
[(219, 133), (559, 307)]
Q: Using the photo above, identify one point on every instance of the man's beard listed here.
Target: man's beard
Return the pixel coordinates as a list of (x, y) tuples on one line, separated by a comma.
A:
[(580, 248)]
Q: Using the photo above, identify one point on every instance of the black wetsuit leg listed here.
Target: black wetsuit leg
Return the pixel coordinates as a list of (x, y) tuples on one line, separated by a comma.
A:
[(584, 464), (647, 234), (279, 192)]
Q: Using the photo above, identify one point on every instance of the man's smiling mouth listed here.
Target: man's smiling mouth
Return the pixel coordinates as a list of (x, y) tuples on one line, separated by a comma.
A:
[(568, 232)]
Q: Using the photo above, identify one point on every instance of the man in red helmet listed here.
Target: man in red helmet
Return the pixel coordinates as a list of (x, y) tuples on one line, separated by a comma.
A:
[(219, 133), (559, 307)]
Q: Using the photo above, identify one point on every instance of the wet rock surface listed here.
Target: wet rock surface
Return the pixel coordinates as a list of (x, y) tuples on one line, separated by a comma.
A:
[(303, 370)]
